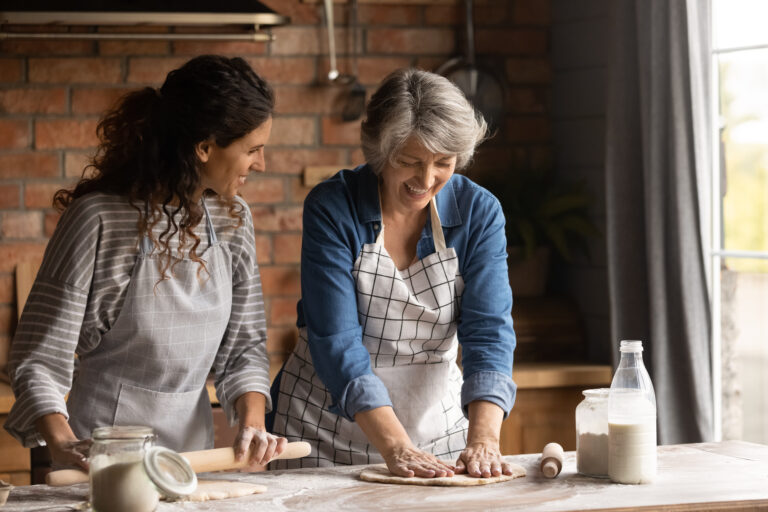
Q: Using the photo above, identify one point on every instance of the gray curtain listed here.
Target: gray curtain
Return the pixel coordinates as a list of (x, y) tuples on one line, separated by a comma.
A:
[(656, 168)]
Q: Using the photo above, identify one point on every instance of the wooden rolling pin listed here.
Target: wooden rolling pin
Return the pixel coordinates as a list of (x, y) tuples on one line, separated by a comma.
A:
[(551, 460), (219, 459)]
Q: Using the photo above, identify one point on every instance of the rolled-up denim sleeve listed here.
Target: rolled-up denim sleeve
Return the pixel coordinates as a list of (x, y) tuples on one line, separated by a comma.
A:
[(485, 327), (329, 304)]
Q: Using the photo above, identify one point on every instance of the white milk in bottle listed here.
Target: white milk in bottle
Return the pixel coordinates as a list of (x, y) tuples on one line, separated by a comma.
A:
[(631, 420)]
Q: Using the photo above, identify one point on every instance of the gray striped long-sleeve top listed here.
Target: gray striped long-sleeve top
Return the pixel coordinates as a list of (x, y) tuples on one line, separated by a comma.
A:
[(77, 297)]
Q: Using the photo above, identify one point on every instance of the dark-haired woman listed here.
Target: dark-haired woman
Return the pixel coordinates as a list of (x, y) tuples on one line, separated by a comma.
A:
[(151, 278)]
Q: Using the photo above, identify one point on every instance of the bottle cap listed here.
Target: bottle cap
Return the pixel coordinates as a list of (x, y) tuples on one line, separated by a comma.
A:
[(631, 346), (170, 472)]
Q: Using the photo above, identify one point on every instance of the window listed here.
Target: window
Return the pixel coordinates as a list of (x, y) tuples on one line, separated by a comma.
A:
[(739, 249)]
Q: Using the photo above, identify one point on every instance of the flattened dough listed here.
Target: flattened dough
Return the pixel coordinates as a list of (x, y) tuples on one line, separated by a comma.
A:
[(379, 473), (222, 489)]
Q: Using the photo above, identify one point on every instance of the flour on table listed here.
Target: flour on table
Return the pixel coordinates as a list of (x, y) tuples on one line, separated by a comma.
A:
[(222, 489), (380, 474)]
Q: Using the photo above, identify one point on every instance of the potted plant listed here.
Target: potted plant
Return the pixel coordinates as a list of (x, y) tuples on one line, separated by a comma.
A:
[(543, 215)]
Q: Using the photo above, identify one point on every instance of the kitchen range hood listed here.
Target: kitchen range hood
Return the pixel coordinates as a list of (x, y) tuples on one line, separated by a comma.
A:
[(249, 17)]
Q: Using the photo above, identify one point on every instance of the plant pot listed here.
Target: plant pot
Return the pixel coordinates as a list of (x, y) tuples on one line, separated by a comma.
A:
[(528, 276)]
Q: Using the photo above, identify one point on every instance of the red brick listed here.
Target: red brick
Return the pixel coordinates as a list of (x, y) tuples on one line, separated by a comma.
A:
[(40, 195), (282, 311), (287, 248), (531, 12), (281, 340), (284, 70), (65, 133), (280, 280), (298, 190), (531, 71), (12, 253), (14, 134), (324, 99), (33, 101), (10, 70), (372, 70), (356, 157), (263, 249), (541, 157), (260, 189), (337, 132), (50, 221), (10, 196), (22, 225), (293, 131), (444, 15), (492, 13), (46, 47), (152, 70), (96, 100), (7, 289), (29, 165), (271, 218), (75, 163), (312, 40), (389, 15), (527, 129), (228, 48), (504, 41), (118, 47), (431, 63), (411, 41), (527, 100), (85, 70), (293, 161)]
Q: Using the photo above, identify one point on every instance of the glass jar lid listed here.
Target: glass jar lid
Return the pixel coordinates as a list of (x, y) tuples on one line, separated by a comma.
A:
[(126, 432), (596, 393), (170, 472)]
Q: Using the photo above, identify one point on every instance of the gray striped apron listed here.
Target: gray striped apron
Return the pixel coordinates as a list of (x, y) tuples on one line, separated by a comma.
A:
[(409, 321), (150, 367)]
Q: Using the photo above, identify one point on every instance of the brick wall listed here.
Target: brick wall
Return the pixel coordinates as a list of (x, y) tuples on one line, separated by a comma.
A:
[(53, 92)]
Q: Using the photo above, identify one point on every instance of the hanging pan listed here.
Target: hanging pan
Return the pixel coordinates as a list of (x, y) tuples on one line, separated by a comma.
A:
[(483, 89)]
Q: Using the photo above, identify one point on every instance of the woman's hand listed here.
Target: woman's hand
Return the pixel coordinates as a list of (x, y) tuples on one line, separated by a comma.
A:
[(65, 448), (252, 438), (258, 445), (407, 460), (387, 434), (482, 457)]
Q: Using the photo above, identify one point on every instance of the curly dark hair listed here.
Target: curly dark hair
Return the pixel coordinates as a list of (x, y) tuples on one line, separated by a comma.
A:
[(147, 144)]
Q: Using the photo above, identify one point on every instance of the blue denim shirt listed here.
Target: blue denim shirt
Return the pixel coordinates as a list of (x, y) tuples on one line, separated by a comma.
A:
[(340, 216)]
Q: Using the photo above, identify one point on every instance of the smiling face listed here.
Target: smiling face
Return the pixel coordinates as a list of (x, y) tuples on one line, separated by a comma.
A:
[(225, 169), (417, 176)]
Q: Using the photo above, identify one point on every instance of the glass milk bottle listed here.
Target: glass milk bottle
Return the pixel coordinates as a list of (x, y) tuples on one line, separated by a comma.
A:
[(592, 433), (631, 419)]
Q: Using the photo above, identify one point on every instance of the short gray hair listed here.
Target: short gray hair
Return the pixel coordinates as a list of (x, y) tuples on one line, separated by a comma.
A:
[(415, 103)]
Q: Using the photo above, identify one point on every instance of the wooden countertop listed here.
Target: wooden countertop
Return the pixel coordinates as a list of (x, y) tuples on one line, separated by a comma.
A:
[(6, 398), (557, 375), (730, 476)]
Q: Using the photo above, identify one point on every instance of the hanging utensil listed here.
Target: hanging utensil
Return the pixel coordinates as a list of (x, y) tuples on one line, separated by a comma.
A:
[(355, 104), (333, 73), (481, 87)]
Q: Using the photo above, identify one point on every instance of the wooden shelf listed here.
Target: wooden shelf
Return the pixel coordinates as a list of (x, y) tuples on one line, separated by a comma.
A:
[(557, 375)]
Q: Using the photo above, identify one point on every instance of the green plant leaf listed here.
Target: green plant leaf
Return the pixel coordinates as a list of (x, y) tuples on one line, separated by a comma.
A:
[(556, 235), (528, 236), (560, 204)]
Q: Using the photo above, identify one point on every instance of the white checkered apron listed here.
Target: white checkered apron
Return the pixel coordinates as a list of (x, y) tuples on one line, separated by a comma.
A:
[(409, 321), (150, 367)]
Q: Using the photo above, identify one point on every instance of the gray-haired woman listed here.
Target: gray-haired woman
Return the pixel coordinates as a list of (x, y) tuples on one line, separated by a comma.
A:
[(402, 262)]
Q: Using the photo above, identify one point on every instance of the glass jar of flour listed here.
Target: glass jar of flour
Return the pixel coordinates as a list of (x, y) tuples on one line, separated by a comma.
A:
[(592, 433), (128, 472), (631, 419)]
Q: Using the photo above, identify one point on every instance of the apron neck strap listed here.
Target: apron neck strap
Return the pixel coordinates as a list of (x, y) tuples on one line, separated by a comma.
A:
[(146, 244), (434, 217)]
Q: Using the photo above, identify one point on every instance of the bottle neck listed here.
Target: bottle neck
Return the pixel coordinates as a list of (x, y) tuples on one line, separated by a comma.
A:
[(631, 359)]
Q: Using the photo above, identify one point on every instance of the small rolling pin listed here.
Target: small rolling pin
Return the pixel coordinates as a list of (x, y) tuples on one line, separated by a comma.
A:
[(202, 461), (551, 460)]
